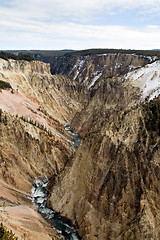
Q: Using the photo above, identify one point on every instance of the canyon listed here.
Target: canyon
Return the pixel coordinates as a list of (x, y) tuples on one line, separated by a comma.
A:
[(109, 187)]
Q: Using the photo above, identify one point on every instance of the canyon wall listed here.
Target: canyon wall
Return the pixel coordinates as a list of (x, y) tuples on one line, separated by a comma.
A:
[(34, 81), (87, 70), (110, 189), (34, 107)]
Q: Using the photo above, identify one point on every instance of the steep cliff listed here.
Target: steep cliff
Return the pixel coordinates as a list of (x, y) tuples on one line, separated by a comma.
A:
[(87, 70), (34, 81), (110, 189), (34, 106)]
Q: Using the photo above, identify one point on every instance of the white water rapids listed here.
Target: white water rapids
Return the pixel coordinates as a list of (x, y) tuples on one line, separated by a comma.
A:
[(39, 196)]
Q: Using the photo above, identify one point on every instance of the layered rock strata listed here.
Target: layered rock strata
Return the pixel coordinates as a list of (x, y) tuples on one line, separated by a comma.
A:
[(90, 69), (33, 141), (111, 187)]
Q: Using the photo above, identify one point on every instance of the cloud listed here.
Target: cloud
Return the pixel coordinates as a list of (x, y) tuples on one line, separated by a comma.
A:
[(79, 36), (80, 11), (77, 11), (55, 24)]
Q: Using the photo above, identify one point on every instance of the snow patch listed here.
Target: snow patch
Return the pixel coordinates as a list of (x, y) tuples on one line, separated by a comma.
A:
[(131, 67), (78, 66), (94, 79), (151, 59), (154, 94), (147, 79), (118, 65), (77, 73)]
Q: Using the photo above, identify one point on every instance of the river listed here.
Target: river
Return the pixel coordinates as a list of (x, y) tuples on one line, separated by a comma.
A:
[(74, 135), (39, 196)]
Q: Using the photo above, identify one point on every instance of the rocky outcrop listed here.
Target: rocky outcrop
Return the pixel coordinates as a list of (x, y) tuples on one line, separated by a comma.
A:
[(33, 142), (26, 152), (111, 187), (34, 81), (88, 70)]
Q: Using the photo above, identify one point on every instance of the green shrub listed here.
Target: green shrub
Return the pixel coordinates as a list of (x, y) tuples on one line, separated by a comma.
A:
[(4, 85), (6, 56), (114, 51), (5, 234), (152, 116)]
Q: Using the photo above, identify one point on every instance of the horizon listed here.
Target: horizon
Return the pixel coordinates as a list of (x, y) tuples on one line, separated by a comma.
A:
[(76, 50)]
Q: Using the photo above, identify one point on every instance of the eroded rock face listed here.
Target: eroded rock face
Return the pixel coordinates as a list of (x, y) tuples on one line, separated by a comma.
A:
[(33, 82), (26, 153), (33, 141), (88, 70), (18, 215), (111, 189)]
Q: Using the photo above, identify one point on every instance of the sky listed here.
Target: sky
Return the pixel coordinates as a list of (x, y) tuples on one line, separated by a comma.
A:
[(79, 24)]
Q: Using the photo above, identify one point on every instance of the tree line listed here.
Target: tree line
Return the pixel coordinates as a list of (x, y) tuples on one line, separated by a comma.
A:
[(115, 51), (6, 56)]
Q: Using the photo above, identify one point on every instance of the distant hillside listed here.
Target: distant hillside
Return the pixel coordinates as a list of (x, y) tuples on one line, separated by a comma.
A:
[(40, 53), (46, 56), (105, 51), (55, 57), (7, 55)]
